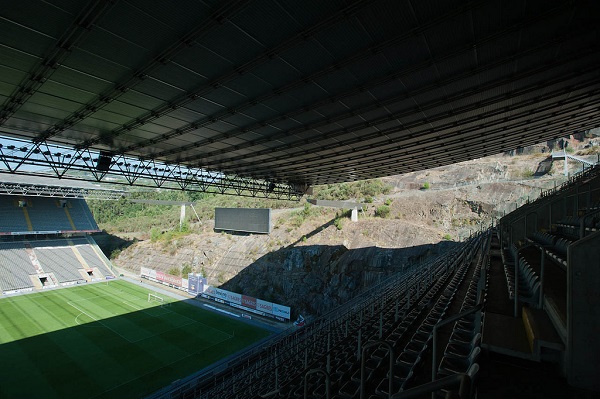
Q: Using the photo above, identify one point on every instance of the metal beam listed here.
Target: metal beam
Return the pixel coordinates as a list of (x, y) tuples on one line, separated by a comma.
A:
[(66, 163)]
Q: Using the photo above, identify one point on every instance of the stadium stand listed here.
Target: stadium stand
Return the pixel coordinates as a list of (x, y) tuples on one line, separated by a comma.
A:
[(513, 290), (15, 268), (554, 242), (92, 255), (35, 254), (61, 260), (43, 214), (12, 217)]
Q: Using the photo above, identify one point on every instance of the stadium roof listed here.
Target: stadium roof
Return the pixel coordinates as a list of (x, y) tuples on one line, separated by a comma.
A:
[(294, 94)]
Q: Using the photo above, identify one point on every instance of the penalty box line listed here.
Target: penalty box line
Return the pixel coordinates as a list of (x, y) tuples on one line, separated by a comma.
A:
[(121, 335), (190, 322), (99, 321)]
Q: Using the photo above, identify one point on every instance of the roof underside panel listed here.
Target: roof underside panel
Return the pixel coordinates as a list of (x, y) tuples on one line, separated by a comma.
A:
[(305, 92)]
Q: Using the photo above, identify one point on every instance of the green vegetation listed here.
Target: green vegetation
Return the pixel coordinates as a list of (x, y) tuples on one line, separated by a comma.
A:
[(126, 216), (527, 173), (108, 341), (382, 211), (162, 221), (297, 218), (361, 189), (186, 269), (388, 202), (156, 235), (589, 151), (426, 186), (115, 253), (447, 237), (338, 222)]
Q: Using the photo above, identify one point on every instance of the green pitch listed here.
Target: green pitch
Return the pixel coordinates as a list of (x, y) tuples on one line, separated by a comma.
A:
[(108, 341)]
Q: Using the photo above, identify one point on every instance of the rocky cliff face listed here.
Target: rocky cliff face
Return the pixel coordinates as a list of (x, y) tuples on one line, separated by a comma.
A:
[(315, 279)]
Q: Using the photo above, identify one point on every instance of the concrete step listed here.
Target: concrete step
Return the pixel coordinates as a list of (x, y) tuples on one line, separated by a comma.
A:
[(544, 340), (505, 335)]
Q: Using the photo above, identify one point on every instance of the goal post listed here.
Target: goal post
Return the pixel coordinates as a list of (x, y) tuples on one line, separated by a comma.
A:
[(155, 298)]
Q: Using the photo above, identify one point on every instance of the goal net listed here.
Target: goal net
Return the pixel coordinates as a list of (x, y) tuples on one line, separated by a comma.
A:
[(155, 298)]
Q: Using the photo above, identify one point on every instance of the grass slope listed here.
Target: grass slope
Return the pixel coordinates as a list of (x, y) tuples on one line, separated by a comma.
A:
[(107, 341)]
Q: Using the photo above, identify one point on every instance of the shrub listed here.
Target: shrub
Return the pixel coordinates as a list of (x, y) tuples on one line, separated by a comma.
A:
[(527, 173), (155, 234), (382, 211), (359, 189), (186, 269), (447, 237), (115, 253), (368, 200), (388, 201), (426, 186)]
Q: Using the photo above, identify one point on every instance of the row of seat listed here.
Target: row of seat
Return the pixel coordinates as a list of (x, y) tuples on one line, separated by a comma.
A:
[(589, 220), (528, 282), (15, 268), (54, 256), (62, 262), (543, 238), (464, 346), (556, 247), (408, 362), (44, 214)]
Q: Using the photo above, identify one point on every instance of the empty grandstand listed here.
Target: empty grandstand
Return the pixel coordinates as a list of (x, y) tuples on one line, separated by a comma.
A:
[(43, 215), (270, 98), (45, 242)]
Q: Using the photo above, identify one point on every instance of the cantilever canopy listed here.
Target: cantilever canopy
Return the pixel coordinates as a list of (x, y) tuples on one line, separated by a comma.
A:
[(295, 92)]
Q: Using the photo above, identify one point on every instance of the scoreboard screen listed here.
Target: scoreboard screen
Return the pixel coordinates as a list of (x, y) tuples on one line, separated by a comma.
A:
[(247, 220)]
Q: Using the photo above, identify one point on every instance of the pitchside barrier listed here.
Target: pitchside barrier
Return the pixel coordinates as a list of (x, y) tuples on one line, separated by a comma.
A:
[(247, 303), (164, 278)]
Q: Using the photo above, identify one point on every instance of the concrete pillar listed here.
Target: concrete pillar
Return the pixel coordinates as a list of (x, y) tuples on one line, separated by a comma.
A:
[(354, 215)]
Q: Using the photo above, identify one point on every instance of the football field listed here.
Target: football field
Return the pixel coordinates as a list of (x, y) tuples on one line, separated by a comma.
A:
[(108, 341)]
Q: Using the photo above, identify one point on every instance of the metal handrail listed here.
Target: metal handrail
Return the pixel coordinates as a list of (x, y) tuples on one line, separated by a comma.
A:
[(463, 380), (444, 322), (327, 381), (362, 365)]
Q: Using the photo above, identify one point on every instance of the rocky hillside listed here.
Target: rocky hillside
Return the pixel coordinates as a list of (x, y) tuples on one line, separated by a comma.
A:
[(316, 258)]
